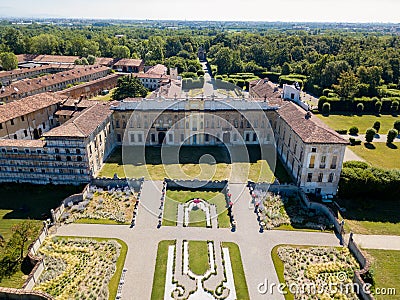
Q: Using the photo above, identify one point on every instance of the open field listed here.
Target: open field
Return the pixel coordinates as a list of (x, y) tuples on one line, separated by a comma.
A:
[(191, 165), (379, 154), (174, 198), (371, 216), (19, 202), (338, 122), (386, 266)]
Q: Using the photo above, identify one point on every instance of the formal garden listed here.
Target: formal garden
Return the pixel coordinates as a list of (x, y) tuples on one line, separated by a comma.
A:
[(110, 206), (315, 268), (197, 217), (287, 212), (217, 269), (81, 268)]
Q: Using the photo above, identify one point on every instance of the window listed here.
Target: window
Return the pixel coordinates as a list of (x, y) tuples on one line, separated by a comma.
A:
[(68, 158), (44, 125), (182, 137), (320, 177), (123, 124), (314, 150), (56, 150), (170, 137), (119, 139), (207, 137), (323, 161), (330, 179), (248, 124), (117, 124), (153, 138), (78, 151), (58, 158), (247, 137), (12, 121), (334, 161), (236, 123), (27, 151), (25, 133), (79, 158), (81, 171), (15, 137), (254, 137), (309, 177), (1, 125), (22, 118), (312, 161), (60, 170), (140, 138), (132, 137)]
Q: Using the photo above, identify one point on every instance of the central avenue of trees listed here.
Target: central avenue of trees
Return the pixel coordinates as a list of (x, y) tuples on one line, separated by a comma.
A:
[(333, 63)]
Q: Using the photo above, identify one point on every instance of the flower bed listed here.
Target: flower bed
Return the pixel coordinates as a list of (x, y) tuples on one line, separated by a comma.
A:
[(78, 268), (276, 211), (114, 206), (326, 272)]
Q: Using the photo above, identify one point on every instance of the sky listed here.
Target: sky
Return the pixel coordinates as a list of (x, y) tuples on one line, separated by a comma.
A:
[(217, 10)]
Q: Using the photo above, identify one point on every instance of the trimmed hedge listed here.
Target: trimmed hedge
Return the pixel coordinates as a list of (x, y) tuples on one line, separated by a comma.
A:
[(369, 104), (342, 131), (360, 179)]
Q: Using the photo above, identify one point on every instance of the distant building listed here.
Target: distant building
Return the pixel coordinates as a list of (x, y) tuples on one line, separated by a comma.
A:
[(129, 65), (290, 92), (51, 82), (201, 54)]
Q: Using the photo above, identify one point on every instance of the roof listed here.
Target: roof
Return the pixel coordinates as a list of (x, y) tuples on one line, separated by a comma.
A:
[(310, 130), (129, 62), (92, 83), (158, 69), (22, 143), (263, 88), (28, 105), (151, 76), (32, 69), (84, 124), (28, 85), (105, 61)]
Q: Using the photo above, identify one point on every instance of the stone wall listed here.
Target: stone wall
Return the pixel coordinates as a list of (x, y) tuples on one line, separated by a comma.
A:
[(196, 184), (365, 266), (18, 294)]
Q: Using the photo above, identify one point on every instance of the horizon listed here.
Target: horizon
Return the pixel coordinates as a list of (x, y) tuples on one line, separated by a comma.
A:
[(286, 11)]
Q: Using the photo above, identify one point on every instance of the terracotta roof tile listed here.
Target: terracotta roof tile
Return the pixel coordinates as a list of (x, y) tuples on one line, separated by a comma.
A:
[(129, 62), (28, 105), (22, 143), (310, 130)]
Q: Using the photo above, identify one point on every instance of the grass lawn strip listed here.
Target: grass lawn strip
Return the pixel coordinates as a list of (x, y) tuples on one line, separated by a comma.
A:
[(239, 277), (160, 270)]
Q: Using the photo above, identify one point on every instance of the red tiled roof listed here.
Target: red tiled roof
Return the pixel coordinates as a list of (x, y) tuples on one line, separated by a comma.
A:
[(310, 130), (22, 143), (28, 105), (158, 69), (128, 62), (84, 124), (262, 88)]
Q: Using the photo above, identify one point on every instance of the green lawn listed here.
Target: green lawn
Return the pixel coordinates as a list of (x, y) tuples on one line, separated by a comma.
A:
[(190, 166), (197, 218), (104, 97), (363, 122), (174, 198), (371, 216), (160, 270), (25, 201), (239, 277), (198, 257), (379, 154), (386, 266)]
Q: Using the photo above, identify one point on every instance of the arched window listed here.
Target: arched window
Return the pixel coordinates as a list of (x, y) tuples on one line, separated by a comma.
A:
[(79, 158), (68, 158)]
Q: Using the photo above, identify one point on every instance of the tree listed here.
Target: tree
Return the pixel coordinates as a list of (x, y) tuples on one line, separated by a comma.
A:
[(286, 70), (353, 130), (23, 233), (392, 134), (396, 125), (129, 87), (223, 60), (378, 107), (369, 135), (44, 44), (91, 59), (326, 109), (377, 126), (121, 52), (8, 61), (347, 87)]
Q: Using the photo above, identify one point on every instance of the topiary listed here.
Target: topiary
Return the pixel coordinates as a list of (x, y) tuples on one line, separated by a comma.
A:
[(392, 134), (377, 126), (326, 108), (396, 125), (369, 135), (353, 130)]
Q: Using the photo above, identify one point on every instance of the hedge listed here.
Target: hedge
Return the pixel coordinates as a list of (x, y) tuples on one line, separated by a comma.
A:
[(338, 105), (273, 76), (360, 179)]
